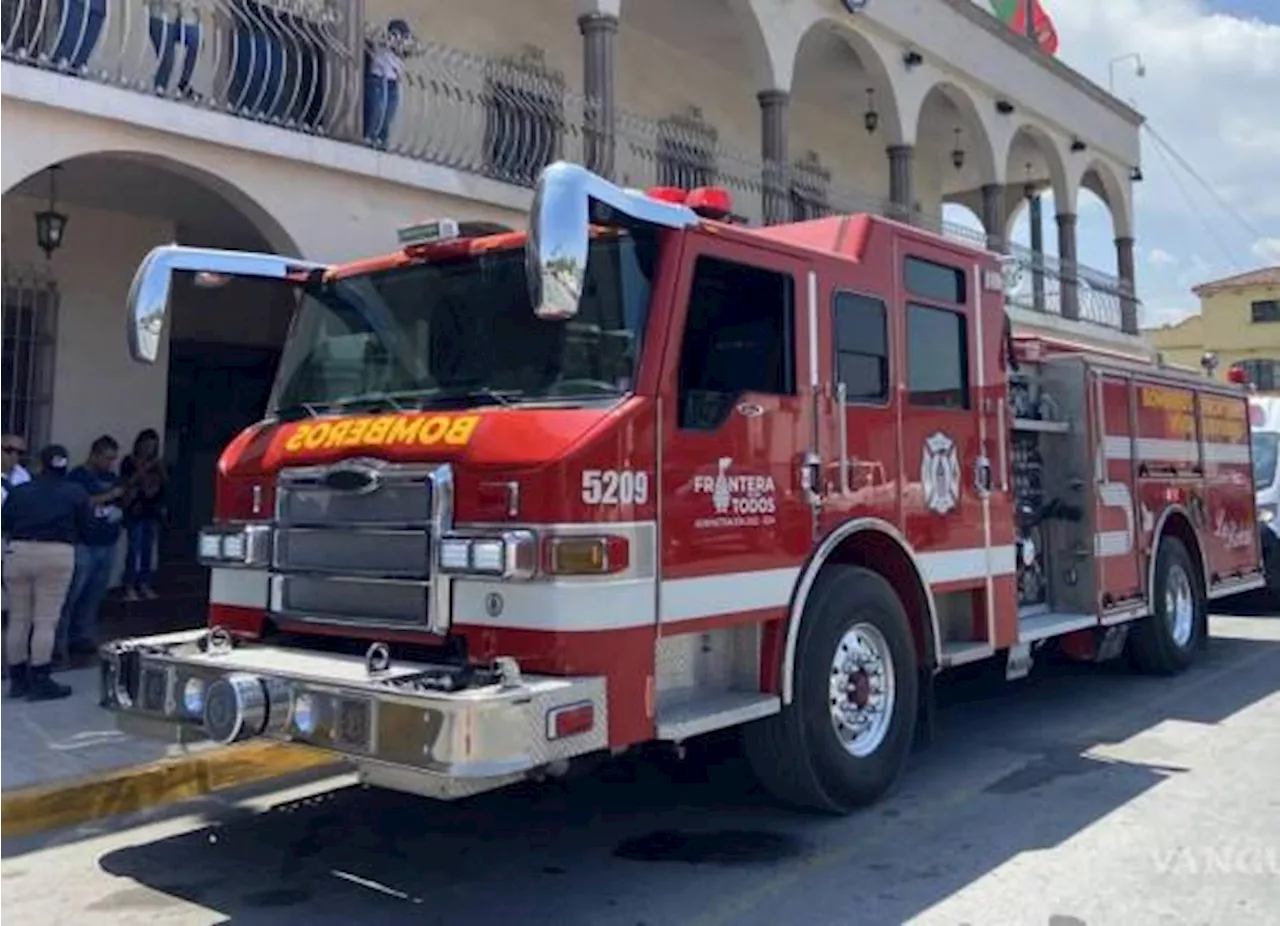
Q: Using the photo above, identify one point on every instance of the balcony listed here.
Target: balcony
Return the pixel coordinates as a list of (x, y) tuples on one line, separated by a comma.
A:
[(301, 65)]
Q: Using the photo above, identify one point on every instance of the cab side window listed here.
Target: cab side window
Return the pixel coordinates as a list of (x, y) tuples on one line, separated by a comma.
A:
[(739, 337), (862, 348), (937, 357)]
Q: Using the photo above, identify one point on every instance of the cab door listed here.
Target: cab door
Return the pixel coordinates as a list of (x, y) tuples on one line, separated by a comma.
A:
[(737, 427), (949, 400)]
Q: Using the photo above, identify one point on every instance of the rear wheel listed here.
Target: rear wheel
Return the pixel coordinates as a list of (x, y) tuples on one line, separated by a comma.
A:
[(843, 741), (1165, 643)]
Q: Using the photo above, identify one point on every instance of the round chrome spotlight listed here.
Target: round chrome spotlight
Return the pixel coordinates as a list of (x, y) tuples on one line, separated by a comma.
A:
[(235, 707)]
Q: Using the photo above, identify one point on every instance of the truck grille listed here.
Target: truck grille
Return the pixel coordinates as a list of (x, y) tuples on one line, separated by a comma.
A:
[(353, 543)]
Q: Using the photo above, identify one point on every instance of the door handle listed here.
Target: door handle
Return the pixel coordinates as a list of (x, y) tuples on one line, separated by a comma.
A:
[(982, 475), (811, 478)]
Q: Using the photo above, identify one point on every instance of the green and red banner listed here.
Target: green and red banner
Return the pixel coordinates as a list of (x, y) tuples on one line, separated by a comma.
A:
[(1017, 13)]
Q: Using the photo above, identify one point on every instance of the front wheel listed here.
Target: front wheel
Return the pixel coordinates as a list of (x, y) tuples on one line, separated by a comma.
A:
[(1165, 642), (843, 741)]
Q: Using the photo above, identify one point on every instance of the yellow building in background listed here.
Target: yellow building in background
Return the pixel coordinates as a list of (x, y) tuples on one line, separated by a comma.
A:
[(1239, 322)]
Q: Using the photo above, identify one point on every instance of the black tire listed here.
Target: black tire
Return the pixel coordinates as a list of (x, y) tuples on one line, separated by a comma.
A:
[(796, 754), (1153, 645)]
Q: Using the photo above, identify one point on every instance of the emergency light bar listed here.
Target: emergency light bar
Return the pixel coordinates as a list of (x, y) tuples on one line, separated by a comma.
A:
[(429, 232), (710, 202)]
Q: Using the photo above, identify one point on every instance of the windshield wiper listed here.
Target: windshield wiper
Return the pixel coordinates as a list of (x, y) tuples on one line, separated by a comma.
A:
[(375, 400), (469, 394), (300, 410)]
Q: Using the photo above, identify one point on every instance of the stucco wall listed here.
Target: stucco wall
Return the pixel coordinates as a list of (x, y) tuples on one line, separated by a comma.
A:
[(97, 388)]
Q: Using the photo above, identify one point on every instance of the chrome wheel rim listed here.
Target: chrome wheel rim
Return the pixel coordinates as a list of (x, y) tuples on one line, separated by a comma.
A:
[(1179, 605), (862, 690)]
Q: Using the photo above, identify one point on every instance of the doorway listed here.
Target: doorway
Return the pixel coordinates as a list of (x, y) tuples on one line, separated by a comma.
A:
[(216, 390)]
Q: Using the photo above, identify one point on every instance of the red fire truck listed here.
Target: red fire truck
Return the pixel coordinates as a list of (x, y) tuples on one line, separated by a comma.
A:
[(644, 473)]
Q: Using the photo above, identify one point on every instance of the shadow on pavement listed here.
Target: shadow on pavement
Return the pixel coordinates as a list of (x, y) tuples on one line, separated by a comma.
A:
[(659, 842)]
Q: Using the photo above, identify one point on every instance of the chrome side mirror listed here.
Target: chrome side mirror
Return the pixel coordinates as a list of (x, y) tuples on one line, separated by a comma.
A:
[(148, 300), (560, 231)]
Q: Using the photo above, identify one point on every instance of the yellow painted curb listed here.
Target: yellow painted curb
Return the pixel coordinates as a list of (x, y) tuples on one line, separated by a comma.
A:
[(128, 790)]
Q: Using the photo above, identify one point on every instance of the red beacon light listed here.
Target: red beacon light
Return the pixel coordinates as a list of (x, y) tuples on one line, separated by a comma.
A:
[(710, 202), (667, 194), (1238, 376)]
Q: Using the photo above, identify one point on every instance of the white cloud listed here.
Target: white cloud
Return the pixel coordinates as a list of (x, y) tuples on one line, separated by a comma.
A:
[(1267, 250), (1210, 91)]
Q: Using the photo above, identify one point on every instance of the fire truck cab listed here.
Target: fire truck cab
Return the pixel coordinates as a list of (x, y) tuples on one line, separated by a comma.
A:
[(642, 473)]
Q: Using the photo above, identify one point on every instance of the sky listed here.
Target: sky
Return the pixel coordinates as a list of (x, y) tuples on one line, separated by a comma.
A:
[(1212, 92)]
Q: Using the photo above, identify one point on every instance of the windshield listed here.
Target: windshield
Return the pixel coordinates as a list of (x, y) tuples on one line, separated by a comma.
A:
[(463, 330), (1266, 447)]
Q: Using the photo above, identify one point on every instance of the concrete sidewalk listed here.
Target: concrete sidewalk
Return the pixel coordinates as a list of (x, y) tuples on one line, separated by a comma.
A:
[(65, 762), (51, 741)]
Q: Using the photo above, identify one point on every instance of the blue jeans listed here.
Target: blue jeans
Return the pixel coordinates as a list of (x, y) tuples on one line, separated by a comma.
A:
[(166, 36), (81, 26), (141, 546), (88, 587), (381, 99)]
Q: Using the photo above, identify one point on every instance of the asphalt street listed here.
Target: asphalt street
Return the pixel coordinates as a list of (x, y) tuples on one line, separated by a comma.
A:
[(1082, 795)]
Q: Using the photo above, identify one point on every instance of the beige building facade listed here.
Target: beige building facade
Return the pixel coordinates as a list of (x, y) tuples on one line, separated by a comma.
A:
[(257, 124), (1238, 327)]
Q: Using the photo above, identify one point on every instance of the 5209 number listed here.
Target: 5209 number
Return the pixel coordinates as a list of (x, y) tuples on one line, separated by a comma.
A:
[(614, 487)]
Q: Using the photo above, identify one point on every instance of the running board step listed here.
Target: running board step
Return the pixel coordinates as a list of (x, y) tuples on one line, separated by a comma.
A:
[(1052, 624), (715, 712), (962, 652)]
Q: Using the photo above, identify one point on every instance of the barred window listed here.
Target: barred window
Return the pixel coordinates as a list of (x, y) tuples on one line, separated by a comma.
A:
[(30, 326), (810, 186), (687, 150), (524, 116)]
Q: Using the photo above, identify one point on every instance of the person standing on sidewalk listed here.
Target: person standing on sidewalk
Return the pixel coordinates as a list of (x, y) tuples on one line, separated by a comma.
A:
[(43, 519), (144, 478), (14, 474), (96, 551)]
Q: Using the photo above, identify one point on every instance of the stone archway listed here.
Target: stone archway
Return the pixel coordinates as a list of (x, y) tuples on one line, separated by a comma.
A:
[(1034, 165), (213, 374), (956, 160), (844, 101), (1101, 179)]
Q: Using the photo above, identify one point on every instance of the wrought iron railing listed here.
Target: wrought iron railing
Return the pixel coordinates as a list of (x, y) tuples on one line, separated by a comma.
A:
[(312, 66)]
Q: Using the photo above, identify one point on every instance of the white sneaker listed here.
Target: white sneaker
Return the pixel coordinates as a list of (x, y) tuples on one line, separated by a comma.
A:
[(149, 593), (130, 595)]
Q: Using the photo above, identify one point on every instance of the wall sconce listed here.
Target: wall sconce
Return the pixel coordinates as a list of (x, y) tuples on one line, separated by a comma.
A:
[(1004, 107), (1077, 145), (1136, 174), (51, 224), (871, 118), (911, 58)]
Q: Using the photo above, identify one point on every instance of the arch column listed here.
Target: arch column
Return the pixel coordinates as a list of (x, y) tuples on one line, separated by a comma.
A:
[(993, 216), (598, 31), (1068, 283), (1035, 217), (774, 111), (1128, 289), (901, 164)]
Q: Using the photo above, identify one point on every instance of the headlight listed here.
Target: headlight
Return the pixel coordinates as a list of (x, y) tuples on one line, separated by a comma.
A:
[(509, 555), (235, 545), (1266, 514), (193, 697)]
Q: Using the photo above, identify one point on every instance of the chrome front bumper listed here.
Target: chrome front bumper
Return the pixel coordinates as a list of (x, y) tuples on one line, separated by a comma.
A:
[(433, 730)]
